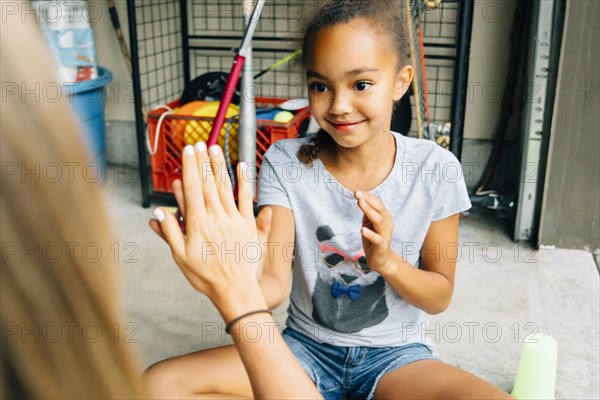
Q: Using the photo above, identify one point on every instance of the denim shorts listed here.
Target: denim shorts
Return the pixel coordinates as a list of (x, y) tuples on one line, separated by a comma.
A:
[(350, 372)]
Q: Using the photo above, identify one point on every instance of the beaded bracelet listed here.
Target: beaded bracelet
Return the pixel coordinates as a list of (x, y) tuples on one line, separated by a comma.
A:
[(235, 320)]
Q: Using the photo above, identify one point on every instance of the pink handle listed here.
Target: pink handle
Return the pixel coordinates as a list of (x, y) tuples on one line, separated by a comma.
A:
[(234, 76)]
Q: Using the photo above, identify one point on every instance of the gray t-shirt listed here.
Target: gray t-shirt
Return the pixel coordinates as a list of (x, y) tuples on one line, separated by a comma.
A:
[(333, 299)]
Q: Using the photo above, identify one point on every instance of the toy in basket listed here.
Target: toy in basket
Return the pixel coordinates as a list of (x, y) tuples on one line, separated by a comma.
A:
[(197, 130), (172, 127)]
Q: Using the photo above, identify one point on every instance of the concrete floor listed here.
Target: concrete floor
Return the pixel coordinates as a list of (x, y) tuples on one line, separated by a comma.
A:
[(503, 293)]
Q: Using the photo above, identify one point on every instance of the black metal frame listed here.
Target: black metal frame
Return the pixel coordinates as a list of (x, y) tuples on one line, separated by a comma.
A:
[(461, 72), (459, 86)]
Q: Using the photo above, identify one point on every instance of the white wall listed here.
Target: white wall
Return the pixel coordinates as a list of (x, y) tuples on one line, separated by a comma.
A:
[(119, 105), (490, 48)]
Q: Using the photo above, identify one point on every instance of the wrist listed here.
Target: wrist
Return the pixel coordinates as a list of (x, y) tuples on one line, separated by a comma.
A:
[(252, 316), (390, 267), (235, 301)]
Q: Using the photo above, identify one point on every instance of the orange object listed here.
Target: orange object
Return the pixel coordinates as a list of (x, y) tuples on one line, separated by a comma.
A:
[(181, 127), (195, 129), (187, 109)]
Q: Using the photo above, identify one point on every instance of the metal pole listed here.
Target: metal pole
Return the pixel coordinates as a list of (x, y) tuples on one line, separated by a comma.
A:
[(247, 126), (137, 99), (461, 72), (185, 43)]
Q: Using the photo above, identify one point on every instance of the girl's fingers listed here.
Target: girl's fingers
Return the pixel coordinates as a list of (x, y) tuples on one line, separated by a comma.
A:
[(192, 190), (245, 198), (371, 236), (177, 188), (207, 174), (171, 233), (374, 201), (222, 180), (373, 215)]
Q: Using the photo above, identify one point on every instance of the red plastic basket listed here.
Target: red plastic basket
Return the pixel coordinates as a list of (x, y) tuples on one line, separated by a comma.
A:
[(178, 130)]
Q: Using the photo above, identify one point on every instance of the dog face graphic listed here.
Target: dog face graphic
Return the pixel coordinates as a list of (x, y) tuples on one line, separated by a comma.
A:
[(348, 296)]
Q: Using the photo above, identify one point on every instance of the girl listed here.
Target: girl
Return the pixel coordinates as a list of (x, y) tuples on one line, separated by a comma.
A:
[(373, 217)]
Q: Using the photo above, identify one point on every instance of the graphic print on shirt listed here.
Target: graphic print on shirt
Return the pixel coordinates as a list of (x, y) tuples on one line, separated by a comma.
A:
[(348, 297)]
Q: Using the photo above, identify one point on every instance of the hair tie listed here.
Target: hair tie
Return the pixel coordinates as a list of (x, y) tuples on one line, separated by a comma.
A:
[(236, 320), (312, 143)]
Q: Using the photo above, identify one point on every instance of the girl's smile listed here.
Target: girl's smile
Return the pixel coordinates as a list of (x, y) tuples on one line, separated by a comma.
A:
[(344, 126)]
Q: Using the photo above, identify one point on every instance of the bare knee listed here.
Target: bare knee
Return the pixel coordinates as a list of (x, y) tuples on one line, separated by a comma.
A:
[(428, 379), (207, 372), (164, 382)]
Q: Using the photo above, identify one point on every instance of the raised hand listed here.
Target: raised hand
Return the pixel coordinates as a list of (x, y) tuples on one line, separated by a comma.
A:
[(376, 231), (218, 254)]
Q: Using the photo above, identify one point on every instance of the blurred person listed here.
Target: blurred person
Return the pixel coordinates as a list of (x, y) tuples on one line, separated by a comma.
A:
[(48, 283), (56, 288)]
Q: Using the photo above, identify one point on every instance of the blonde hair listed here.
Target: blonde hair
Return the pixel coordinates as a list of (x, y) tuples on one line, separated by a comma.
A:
[(47, 299)]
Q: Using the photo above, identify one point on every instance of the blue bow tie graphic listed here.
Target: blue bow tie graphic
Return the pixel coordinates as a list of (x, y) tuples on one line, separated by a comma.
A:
[(352, 291)]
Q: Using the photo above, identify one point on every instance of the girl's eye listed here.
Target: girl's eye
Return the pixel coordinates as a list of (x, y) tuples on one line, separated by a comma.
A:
[(362, 86), (318, 87)]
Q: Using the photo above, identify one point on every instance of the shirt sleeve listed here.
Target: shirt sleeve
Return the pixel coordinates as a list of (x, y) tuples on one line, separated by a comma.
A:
[(448, 188), (271, 190)]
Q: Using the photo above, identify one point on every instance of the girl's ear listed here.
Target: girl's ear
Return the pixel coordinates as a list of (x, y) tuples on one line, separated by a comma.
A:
[(403, 81)]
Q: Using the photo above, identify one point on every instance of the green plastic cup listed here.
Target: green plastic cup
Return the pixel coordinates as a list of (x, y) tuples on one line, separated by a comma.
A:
[(536, 377)]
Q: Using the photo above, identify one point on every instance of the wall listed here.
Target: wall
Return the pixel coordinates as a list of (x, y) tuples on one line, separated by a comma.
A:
[(492, 23), (120, 92), (121, 143), (570, 215)]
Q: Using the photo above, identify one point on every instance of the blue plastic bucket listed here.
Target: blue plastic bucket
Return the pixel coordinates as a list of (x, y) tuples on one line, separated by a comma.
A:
[(87, 100)]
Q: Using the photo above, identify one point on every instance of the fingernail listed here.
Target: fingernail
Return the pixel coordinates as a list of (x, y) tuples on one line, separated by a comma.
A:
[(214, 149), (201, 146), (359, 194), (188, 150), (159, 214)]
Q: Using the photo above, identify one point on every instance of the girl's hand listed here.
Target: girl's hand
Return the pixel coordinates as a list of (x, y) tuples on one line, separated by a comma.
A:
[(376, 231), (219, 254)]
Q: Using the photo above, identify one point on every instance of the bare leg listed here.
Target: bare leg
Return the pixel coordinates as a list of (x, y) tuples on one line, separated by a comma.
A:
[(214, 373), (432, 379)]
